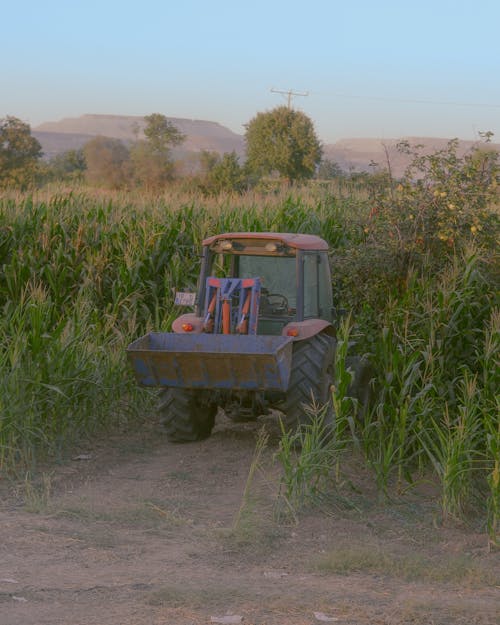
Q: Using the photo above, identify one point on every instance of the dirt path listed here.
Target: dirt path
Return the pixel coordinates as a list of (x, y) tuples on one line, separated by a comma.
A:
[(143, 532)]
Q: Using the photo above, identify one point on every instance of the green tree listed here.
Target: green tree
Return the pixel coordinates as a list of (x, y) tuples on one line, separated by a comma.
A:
[(329, 170), (108, 162), (282, 141), (444, 201), (442, 198), (222, 174), (208, 160), (161, 134), (68, 166), (151, 157), (19, 153)]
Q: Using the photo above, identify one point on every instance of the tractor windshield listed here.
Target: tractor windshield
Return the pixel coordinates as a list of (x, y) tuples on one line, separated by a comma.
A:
[(277, 278), (279, 287)]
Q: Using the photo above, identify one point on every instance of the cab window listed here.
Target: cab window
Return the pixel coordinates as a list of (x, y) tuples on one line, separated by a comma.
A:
[(317, 287), (277, 275)]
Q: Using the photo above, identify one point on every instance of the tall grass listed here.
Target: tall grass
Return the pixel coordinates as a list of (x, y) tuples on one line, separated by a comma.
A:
[(82, 274), (308, 457), (438, 380), (61, 376)]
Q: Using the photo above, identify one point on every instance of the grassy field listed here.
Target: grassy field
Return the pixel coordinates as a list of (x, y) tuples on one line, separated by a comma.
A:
[(83, 273)]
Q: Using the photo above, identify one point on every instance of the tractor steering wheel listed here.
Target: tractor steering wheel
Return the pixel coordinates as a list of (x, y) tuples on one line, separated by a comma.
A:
[(277, 303)]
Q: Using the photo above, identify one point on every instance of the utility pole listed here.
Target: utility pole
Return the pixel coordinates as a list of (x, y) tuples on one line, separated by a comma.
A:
[(290, 93)]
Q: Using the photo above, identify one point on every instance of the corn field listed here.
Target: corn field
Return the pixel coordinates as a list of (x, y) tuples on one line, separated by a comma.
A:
[(83, 274)]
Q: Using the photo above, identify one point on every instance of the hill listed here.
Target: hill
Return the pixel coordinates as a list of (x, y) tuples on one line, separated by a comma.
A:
[(73, 133), (355, 154), (368, 154)]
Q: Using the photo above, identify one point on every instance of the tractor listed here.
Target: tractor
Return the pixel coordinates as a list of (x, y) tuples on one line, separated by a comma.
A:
[(261, 336)]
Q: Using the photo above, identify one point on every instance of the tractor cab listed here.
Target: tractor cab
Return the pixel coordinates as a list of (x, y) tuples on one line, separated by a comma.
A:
[(280, 278)]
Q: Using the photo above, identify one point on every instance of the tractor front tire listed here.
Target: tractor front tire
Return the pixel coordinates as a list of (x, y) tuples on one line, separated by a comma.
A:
[(184, 417), (310, 380)]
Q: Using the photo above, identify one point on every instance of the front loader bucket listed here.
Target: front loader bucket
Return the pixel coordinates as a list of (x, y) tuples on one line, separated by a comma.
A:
[(218, 361)]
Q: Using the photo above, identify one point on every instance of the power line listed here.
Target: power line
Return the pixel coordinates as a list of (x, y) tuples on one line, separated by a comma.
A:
[(290, 94), (410, 101)]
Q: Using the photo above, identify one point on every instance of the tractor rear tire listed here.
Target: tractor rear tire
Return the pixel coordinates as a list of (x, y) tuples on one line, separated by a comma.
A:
[(310, 379), (184, 417)]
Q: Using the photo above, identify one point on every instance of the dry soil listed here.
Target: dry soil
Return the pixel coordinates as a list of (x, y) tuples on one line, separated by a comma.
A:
[(134, 530)]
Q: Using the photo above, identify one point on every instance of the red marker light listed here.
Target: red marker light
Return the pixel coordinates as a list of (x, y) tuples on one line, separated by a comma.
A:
[(292, 332), (187, 327)]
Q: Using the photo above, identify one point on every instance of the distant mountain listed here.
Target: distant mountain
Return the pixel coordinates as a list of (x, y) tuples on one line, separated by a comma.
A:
[(367, 154), (73, 133), (351, 154)]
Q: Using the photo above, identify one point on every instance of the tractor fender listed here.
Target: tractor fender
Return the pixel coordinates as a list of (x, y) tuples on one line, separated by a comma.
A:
[(189, 319), (308, 328)]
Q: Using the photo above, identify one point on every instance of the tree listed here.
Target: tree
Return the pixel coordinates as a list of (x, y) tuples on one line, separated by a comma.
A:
[(19, 153), (208, 160), (69, 165), (443, 199), (282, 141), (222, 174), (161, 134), (108, 162), (151, 157), (329, 170)]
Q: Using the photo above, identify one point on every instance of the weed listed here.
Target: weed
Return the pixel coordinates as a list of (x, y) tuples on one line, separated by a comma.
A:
[(255, 465), (308, 457), (197, 596), (37, 494), (368, 558)]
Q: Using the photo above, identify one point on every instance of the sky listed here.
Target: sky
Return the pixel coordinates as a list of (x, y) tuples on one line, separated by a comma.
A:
[(370, 68)]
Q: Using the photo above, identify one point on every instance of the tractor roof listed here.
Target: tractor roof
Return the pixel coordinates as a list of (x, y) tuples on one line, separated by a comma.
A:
[(298, 241)]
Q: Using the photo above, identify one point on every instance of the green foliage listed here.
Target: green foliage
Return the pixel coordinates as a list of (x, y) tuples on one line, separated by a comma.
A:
[(308, 458), (151, 162), (60, 378), (489, 382), (453, 445), (161, 134), (108, 162), (79, 280), (69, 166), (417, 223), (329, 170), (19, 154), (223, 174), (282, 141), (441, 198), (311, 456), (208, 160), (436, 374), (150, 171), (344, 406), (111, 164)]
